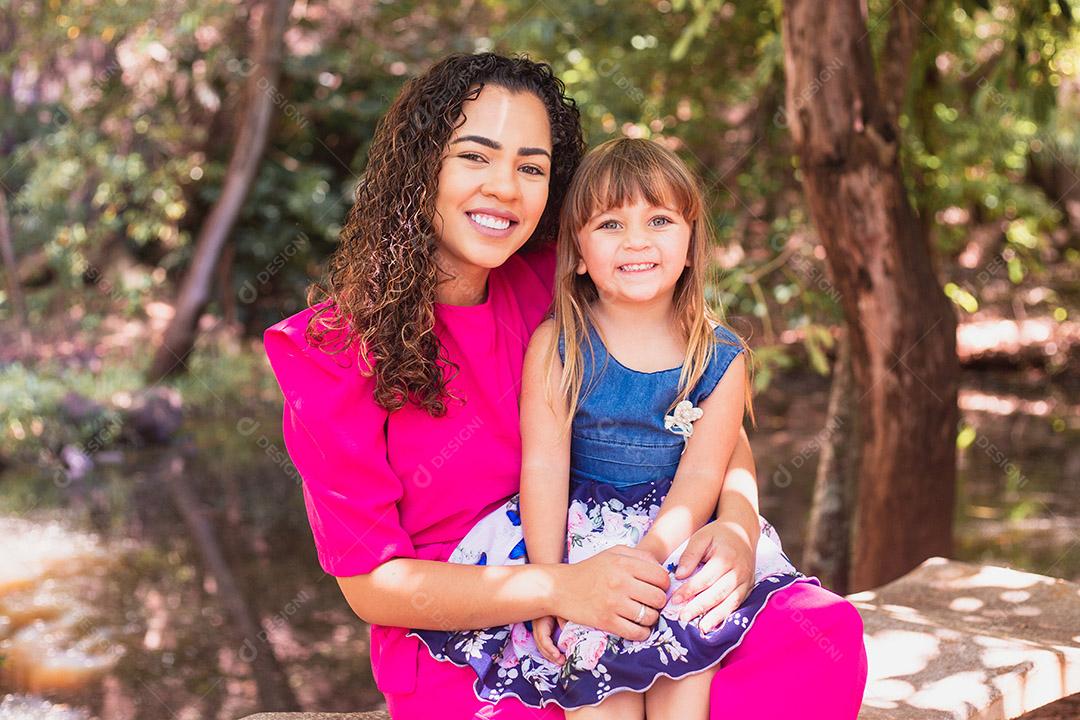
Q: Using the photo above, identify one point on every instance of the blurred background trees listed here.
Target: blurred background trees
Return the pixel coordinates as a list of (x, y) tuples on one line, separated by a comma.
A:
[(118, 122)]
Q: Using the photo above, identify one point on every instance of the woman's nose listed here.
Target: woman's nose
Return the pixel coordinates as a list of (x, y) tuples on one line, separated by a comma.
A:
[(501, 183)]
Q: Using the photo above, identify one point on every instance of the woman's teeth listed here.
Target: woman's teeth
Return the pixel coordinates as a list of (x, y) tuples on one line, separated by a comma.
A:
[(490, 221), (637, 267)]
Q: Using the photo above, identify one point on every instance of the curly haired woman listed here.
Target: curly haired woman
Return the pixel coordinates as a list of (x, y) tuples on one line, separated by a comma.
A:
[(401, 381)]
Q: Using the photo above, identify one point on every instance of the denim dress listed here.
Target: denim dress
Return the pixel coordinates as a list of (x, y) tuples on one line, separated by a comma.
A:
[(624, 452)]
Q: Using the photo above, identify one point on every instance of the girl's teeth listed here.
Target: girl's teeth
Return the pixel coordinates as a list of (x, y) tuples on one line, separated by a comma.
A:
[(634, 268), (490, 222)]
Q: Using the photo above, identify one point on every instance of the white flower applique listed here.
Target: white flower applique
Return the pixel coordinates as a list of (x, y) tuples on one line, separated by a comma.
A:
[(681, 420)]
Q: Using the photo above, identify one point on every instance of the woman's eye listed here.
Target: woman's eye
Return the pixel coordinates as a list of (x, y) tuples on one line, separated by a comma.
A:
[(533, 170), (472, 156)]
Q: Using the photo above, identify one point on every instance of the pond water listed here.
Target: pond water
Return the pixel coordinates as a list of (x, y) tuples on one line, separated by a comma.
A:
[(106, 609)]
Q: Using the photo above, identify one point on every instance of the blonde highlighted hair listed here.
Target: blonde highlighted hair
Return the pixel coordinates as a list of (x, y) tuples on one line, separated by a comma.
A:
[(616, 173)]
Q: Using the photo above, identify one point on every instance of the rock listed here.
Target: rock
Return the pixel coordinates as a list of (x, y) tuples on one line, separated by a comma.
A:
[(969, 642), (156, 414), (78, 409), (374, 715), (76, 462)]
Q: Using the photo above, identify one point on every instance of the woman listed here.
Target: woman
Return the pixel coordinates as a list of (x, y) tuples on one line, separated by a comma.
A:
[(401, 412)]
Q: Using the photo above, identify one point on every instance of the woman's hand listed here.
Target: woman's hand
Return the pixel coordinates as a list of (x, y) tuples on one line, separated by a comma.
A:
[(543, 632), (726, 578), (607, 591)]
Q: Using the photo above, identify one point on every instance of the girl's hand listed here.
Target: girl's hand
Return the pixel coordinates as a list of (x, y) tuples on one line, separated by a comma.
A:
[(607, 591), (727, 577), (543, 630)]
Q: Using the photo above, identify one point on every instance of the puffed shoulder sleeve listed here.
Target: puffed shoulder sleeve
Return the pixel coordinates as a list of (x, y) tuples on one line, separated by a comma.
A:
[(727, 348), (335, 435)]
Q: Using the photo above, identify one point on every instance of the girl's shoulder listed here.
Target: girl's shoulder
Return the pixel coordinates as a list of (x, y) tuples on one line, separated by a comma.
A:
[(727, 347), (726, 338)]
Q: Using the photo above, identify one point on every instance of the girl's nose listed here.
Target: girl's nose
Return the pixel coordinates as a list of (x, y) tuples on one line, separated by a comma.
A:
[(635, 239)]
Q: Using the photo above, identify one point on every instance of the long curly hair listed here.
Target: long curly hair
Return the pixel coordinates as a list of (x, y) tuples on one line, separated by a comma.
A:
[(379, 290)]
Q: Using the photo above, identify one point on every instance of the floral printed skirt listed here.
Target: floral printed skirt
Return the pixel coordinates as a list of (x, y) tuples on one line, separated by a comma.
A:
[(506, 659)]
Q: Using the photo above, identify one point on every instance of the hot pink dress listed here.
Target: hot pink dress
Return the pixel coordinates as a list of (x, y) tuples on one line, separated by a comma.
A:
[(381, 485)]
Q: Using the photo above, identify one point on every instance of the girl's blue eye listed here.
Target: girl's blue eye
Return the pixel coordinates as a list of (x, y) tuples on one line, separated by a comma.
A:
[(604, 225), (667, 221)]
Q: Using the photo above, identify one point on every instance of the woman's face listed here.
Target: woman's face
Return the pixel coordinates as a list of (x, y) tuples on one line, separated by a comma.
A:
[(493, 183)]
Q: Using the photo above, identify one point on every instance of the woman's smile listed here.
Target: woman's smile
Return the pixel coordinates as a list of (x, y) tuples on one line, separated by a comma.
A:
[(493, 223)]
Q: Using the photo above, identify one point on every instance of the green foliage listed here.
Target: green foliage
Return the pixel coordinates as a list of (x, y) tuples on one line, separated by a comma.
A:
[(126, 119)]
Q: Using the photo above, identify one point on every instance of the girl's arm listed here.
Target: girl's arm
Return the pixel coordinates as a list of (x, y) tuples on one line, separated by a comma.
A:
[(697, 486), (545, 454)]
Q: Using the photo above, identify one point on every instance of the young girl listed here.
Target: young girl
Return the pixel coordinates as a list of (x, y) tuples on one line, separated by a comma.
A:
[(632, 396)]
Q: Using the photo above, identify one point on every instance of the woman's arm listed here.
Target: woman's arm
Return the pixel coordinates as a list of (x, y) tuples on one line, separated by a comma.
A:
[(738, 504), (697, 485), (545, 453), (432, 595), (602, 591)]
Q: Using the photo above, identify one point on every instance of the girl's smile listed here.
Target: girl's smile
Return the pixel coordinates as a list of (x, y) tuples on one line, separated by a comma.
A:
[(635, 253)]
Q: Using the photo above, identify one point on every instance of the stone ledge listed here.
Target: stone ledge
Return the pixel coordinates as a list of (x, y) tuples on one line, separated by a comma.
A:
[(957, 641), (949, 641), (375, 715)]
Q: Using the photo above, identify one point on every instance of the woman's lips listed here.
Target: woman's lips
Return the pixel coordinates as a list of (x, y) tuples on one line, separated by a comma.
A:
[(489, 225)]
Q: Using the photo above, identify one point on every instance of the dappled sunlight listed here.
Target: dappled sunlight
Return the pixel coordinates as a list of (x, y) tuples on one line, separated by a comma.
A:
[(966, 652), (896, 653)]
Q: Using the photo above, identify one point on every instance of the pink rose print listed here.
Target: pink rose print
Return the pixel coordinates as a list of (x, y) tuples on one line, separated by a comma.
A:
[(613, 522), (591, 649), (521, 639), (570, 636), (577, 521)]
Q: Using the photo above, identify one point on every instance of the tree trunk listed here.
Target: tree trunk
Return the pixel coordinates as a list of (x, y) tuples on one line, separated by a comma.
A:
[(901, 327), (11, 270), (250, 142), (828, 536)]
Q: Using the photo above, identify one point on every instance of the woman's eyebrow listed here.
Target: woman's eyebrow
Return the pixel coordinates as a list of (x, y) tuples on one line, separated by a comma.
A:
[(494, 145)]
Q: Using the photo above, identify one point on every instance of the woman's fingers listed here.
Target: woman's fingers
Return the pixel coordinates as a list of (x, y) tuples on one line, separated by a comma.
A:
[(653, 597), (630, 630), (648, 618), (710, 597), (647, 569), (730, 604)]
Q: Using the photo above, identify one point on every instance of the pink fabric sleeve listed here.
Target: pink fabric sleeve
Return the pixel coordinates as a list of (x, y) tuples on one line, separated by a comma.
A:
[(334, 433)]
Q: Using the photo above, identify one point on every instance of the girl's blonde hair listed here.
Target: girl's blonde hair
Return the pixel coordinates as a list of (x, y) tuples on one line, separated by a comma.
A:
[(617, 173)]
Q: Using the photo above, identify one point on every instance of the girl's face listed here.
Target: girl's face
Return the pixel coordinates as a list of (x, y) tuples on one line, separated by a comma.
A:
[(635, 253), (493, 183)]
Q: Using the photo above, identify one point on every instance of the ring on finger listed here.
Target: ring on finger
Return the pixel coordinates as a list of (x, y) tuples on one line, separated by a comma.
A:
[(640, 613)]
